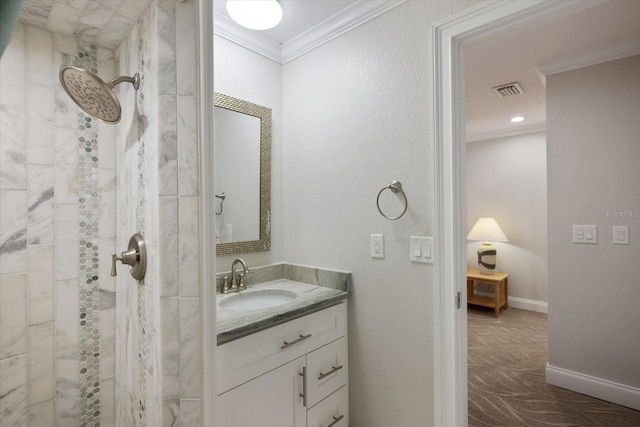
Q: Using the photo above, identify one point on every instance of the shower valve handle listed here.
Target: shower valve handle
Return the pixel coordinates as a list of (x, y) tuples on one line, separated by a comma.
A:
[(128, 258), (135, 258)]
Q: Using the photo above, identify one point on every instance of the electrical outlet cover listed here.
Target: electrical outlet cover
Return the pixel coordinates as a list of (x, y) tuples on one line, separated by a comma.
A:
[(377, 246)]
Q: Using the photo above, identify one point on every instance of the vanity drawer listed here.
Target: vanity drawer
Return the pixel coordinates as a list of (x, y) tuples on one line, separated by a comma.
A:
[(246, 358), (331, 412), (327, 370)]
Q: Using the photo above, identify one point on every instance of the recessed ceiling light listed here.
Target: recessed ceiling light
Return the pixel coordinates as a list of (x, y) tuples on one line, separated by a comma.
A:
[(255, 14), (517, 119)]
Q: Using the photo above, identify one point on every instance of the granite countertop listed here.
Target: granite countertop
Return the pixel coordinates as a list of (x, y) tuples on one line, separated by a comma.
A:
[(234, 324)]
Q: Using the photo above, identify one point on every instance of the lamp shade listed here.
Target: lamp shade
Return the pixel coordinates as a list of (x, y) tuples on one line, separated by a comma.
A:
[(255, 14), (487, 230)]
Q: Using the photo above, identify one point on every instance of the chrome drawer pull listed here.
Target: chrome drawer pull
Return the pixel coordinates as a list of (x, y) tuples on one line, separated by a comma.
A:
[(333, 370), (289, 344), (335, 421), (303, 395)]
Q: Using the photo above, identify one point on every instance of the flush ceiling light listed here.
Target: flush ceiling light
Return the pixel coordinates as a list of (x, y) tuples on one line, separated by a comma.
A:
[(255, 14), (517, 119)]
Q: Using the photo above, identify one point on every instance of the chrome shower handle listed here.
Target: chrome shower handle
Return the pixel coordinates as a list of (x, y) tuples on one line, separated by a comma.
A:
[(135, 258)]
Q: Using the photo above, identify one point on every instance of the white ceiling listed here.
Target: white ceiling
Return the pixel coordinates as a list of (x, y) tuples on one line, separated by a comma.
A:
[(601, 27), (606, 28), (298, 16), (306, 24), (517, 57)]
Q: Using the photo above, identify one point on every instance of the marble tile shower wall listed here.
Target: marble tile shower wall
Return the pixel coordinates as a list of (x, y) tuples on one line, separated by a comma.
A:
[(57, 231), (178, 192), (158, 361), (135, 136)]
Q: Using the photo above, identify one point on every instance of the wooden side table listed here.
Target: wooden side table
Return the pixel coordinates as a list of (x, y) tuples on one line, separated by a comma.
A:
[(501, 285)]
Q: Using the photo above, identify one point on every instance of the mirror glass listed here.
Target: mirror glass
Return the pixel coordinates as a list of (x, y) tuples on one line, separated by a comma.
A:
[(242, 180)]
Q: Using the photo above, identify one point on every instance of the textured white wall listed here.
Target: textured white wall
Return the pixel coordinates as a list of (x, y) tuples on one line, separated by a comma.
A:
[(246, 75), (507, 179), (357, 115), (593, 154)]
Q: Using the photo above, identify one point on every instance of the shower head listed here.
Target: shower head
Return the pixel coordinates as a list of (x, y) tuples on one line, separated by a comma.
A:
[(93, 95)]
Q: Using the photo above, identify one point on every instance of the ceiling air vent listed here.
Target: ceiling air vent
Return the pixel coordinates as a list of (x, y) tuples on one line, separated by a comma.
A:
[(508, 90)]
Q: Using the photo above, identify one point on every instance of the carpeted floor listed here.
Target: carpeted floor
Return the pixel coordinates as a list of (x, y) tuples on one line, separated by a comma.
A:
[(507, 359)]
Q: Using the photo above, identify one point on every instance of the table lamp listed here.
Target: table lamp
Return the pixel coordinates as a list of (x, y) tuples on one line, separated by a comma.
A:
[(487, 230)]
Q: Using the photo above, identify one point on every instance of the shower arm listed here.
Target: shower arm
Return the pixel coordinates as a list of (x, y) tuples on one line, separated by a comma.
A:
[(135, 81)]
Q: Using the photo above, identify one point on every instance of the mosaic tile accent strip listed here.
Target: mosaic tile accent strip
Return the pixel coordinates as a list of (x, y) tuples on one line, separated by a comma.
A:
[(89, 208), (142, 356), (140, 222)]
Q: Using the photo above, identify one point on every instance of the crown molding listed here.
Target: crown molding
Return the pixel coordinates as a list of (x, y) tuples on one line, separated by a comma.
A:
[(329, 29), (335, 26), (252, 40), (585, 60), (504, 133)]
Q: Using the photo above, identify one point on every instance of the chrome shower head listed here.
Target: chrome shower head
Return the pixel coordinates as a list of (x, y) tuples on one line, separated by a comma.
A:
[(93, 95)]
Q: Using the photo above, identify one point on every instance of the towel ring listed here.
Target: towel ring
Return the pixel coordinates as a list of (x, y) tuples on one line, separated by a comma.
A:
[(395, 187)]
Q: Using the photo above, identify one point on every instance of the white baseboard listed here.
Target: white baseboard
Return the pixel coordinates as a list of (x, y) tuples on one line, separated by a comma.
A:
[(596, 387), (522, 303), (529, 304)]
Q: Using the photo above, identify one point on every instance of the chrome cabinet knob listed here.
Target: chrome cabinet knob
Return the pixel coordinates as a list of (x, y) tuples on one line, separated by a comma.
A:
[(135, 258)]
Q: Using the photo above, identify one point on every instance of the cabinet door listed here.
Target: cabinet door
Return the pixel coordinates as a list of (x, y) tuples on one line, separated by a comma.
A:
[(272, 399)]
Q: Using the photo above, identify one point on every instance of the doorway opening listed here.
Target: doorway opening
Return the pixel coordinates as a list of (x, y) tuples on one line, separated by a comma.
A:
[(506, 179), (474, 27)]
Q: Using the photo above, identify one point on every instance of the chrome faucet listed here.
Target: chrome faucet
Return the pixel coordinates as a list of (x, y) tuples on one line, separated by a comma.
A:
[(236, 285)]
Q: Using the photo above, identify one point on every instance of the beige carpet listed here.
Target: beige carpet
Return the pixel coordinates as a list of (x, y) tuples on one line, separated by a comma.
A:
[(507, 359)]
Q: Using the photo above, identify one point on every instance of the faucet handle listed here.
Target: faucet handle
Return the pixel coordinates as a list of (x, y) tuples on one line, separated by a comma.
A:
[(225, 284), (242, 286)]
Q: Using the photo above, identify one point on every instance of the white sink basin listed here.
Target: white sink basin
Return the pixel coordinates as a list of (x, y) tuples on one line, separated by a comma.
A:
[(262, 298)]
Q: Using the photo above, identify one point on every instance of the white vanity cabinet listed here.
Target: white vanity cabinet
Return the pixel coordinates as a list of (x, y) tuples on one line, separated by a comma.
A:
[(272, 397), (291, 375)]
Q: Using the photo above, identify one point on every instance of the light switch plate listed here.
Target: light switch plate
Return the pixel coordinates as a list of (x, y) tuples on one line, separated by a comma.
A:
[(586, 234), (620, 234), (421, 249)]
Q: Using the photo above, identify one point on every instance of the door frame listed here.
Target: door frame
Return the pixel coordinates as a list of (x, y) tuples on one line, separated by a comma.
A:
[(207, 249), (480, 24)]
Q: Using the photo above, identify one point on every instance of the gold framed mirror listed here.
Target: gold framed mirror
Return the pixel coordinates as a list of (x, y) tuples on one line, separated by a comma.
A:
[(242, 176)]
